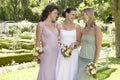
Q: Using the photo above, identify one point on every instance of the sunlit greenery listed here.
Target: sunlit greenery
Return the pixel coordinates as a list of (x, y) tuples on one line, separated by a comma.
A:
[(19, 38)]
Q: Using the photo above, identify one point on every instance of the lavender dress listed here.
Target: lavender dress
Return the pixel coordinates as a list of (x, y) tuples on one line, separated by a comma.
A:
[(49, 58)]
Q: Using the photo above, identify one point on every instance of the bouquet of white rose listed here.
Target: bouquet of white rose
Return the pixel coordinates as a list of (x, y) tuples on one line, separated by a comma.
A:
[(37, 52), (66, 52), (91, 69)]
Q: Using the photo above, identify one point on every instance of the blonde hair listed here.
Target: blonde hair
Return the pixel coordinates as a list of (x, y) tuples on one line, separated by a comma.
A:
[(90, 14)]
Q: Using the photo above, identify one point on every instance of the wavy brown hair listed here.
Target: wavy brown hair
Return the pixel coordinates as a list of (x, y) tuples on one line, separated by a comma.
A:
[(47, 10)]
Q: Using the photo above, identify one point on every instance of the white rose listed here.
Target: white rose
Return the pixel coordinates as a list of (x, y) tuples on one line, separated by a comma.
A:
[(64, 48), (90, 67), (41, 49), (93, 71), (35, 54)]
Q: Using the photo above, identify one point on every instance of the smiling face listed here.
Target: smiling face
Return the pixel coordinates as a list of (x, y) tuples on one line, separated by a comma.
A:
[(88, 15), (71, 16), (53, 15), (85, 17)]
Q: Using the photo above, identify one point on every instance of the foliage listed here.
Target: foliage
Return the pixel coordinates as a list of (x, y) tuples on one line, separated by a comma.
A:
[(5, 45), (26, 35), (28, 46), (31, 9), (16, 10), (105, 44), (63, 4), (23, 57), (101, 7), (17, 43), (14, 51), (60, 19), (12, 29)]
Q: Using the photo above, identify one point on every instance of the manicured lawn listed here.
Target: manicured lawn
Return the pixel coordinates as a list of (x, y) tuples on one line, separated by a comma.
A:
[(25, 74), (110, 73)]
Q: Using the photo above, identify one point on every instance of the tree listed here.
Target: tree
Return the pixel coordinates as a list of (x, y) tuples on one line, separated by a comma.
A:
[(13, 9), (63, 4), (18, 10), (115, 6)]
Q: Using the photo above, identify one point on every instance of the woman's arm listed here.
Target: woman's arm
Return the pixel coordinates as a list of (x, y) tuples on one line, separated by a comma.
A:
[(38, 36), (59, 26), (78, 35), (98, 35), (78, 38)]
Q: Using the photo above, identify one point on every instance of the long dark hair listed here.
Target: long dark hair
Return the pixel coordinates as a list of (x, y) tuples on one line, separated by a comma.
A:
[(68, 10), (49, 8)]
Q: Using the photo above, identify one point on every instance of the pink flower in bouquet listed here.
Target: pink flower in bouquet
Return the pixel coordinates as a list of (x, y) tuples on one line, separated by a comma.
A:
[(66, 52), (37, 52), (91, 69)]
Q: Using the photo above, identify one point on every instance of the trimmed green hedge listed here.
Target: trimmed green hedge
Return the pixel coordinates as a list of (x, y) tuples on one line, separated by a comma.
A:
[(4, 39), (24, 45), (15, 51), (26, 35), (23, 57), (4, 45), (28, 46), (0, 46)]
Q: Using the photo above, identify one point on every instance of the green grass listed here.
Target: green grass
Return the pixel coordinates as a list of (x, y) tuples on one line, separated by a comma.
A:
[(110, 73), (25, 74), (113, 70)]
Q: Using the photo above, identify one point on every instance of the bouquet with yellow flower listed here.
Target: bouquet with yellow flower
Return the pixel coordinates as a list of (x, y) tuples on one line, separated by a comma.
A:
[(37, 52), (66, 52), (91, 69)]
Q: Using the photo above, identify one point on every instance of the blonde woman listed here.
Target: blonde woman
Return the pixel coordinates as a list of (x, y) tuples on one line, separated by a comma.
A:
[(90, 43)]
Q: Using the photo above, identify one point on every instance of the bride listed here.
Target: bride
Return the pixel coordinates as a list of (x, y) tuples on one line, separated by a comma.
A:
[(70, 33)]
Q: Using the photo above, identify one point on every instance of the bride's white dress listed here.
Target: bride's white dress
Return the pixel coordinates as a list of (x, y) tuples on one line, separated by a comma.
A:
[(66, 68)]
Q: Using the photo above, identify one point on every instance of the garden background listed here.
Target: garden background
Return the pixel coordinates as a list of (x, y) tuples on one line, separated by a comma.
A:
[(18, 19)]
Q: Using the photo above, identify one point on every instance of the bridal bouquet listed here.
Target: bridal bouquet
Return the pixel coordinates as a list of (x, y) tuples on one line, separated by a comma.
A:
[(91, 69), (66, 52)]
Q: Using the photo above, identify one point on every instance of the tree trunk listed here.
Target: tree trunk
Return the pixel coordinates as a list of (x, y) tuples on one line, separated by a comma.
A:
[(115, 6)]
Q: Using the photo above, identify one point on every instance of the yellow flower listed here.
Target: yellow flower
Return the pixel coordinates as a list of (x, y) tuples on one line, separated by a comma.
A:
[(90, 67), (67, 53)]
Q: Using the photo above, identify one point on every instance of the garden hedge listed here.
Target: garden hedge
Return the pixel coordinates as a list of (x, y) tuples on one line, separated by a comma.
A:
[(18, 58)]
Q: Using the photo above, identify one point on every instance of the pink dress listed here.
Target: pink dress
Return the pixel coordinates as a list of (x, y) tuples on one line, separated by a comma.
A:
[(48, 60)]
